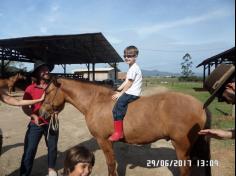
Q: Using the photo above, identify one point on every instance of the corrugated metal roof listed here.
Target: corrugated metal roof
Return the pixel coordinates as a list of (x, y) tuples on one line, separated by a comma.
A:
[(227, 55), (62, 49)]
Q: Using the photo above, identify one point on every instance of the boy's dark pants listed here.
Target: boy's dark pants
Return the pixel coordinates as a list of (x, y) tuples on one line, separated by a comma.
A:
[(121, 106), (32, 138)]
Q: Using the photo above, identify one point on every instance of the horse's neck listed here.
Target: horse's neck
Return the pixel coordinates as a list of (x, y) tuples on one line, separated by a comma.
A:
[(3, 82), (81, 95)]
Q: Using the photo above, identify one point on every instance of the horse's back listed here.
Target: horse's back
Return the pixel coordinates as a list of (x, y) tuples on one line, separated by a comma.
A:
[(164, 114)]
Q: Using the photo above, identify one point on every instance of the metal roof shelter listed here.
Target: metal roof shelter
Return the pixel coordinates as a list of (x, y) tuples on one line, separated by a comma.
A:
[(90, 48), (227, 57)]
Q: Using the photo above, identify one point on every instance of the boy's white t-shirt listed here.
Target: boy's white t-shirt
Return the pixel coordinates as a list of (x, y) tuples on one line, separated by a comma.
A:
[(134, 73)]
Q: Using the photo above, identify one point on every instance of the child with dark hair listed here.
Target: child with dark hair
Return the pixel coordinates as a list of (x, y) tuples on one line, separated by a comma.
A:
[(79, 161)]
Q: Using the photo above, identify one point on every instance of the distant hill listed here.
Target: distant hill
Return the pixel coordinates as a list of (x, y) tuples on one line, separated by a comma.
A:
[(163, 73), (158, 73)]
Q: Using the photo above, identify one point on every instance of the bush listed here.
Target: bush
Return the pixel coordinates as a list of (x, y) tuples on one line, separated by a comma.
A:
[(191, 79)]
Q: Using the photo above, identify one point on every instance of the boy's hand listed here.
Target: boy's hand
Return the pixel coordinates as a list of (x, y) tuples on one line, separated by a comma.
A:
[(116, 95)]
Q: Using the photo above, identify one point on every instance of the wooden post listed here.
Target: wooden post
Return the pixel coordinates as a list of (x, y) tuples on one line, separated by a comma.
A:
[(204, 75), (115, 71), (64, 68), (209, 69), (93, 65), (88, 71)]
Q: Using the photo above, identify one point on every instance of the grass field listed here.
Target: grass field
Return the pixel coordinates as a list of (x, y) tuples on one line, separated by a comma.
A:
[(221, 111)]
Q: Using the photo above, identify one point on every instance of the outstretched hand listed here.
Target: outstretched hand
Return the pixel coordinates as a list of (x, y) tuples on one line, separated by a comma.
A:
[(42, 97), (217, 133)]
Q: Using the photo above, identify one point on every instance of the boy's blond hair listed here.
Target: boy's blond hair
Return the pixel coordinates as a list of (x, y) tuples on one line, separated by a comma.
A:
[(131, 50)]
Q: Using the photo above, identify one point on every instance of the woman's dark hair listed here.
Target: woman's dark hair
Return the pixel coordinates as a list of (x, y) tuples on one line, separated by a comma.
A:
[(77, 154)]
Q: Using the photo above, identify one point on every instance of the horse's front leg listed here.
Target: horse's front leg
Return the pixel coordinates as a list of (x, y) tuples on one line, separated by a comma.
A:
[(107, 149), (182, 152)]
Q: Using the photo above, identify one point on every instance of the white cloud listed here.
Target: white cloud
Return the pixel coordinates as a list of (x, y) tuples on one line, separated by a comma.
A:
[(143, 31)]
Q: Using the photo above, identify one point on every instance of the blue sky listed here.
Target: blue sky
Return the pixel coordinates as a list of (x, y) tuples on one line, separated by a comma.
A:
[(163, 30)]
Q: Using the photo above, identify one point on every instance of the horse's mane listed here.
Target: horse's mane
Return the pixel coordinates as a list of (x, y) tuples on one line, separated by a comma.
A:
[(101, 88)]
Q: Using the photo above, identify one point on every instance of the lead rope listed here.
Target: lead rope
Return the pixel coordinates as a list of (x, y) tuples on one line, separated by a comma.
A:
[(53, 124)]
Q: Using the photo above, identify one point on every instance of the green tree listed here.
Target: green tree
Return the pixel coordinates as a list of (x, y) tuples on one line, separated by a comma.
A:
[(186, 66)]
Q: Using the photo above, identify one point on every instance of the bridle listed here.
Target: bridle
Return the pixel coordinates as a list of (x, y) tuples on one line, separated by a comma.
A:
[(54, 122), (50, 103)]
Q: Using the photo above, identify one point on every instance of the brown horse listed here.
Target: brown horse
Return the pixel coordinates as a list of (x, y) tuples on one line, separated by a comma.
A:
[(169, 115), (10, 82)]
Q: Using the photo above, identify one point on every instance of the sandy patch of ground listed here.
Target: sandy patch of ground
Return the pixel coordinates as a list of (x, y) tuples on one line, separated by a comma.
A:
[(132, 159)]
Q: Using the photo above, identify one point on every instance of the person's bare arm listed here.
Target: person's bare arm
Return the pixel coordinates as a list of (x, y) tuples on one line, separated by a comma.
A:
[(12, 101), (218, 133), (127, 85), (121, 87)]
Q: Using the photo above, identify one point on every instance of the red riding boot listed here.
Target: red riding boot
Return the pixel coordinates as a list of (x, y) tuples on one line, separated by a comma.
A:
[(118, 133)]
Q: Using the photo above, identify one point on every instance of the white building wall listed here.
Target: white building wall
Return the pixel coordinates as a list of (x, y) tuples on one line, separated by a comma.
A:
[(100, 76)]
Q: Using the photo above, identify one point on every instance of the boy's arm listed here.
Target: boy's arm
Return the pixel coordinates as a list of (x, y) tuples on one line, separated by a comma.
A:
[(122, 86), (127, 85)]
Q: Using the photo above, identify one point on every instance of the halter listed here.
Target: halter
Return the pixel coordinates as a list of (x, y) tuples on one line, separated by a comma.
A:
[(51, 102), (54, 122)]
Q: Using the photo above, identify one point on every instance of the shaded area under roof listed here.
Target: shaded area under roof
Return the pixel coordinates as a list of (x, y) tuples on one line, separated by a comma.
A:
[(60, 49), (226, 56)]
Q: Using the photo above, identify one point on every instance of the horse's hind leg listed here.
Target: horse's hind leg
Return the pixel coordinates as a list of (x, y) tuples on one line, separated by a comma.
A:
[(182, 152), (106, 146)]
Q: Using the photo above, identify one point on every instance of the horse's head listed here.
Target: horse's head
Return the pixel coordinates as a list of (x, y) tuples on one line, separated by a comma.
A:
[(54, 99)]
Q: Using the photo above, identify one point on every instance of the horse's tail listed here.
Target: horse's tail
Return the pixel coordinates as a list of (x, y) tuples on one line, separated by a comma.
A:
[(201, 148)]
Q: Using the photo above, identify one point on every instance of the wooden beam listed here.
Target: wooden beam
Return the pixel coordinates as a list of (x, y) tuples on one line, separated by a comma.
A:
[(204, 74)]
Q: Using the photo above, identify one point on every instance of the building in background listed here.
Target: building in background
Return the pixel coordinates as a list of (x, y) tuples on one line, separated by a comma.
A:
[(101, 74)]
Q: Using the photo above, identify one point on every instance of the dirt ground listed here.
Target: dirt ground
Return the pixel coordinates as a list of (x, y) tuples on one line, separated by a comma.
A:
[(132, 160)]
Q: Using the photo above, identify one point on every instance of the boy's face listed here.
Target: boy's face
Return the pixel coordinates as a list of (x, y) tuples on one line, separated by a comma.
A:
[(130, 58), (82, 169)]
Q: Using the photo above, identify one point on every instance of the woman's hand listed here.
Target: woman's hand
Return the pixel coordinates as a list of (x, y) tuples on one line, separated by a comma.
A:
[(42, 97)]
